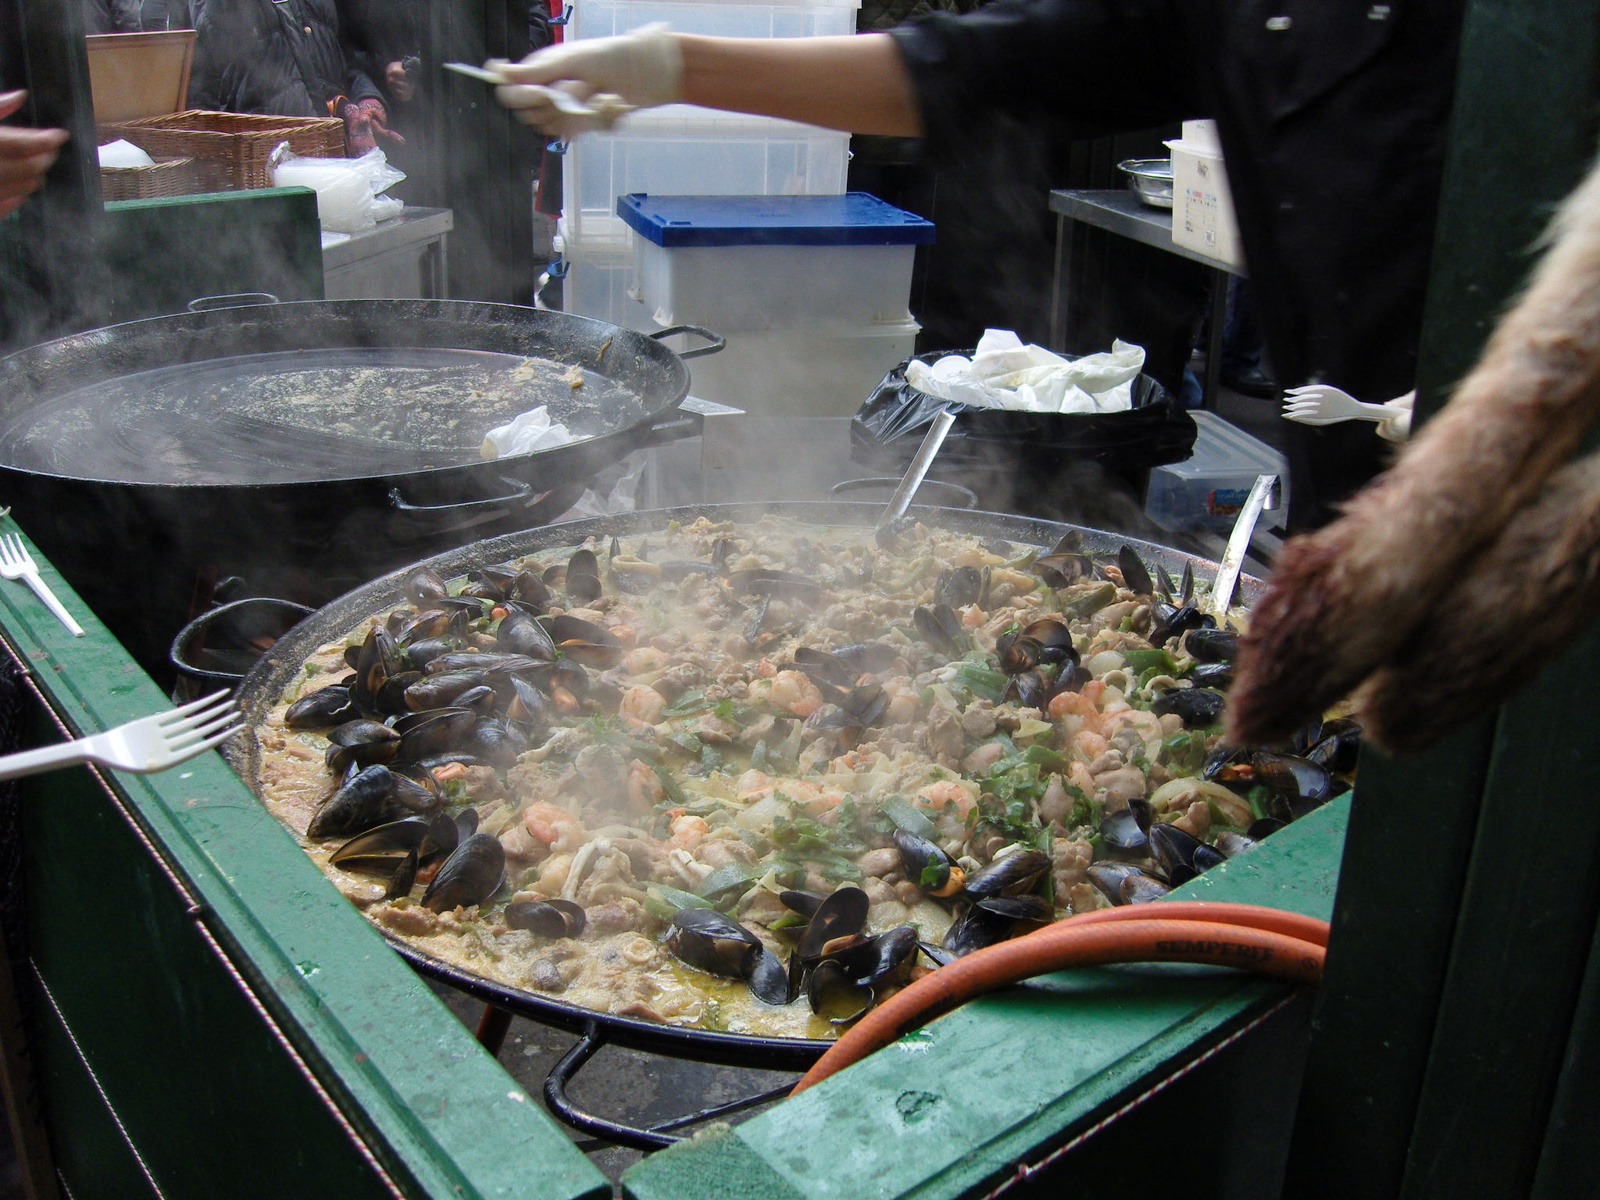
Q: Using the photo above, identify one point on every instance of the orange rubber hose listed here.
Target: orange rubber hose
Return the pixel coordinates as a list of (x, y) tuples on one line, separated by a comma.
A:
[(1070, 943), (1255, 916)]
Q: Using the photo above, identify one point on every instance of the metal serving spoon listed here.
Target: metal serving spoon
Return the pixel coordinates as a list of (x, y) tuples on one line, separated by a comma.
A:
[(920, 462)]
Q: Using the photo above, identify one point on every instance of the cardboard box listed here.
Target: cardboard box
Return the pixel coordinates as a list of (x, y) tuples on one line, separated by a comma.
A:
[(1202, 206), (134, 75)]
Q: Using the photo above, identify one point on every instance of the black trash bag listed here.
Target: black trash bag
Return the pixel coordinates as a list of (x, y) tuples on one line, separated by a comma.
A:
[(888, 428)]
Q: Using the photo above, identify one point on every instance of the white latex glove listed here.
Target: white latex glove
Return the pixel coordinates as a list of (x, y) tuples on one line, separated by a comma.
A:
[(1398, 429), (614, 75)]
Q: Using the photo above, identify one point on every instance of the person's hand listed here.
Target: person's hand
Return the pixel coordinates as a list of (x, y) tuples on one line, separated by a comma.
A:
[(25, 155), (400, 85), (364, 122), (641, 69), (1398, 429)]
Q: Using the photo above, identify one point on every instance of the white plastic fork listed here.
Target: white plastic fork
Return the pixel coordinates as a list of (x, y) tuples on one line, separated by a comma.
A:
[(151, 743), (1322, 404), (17, 563)]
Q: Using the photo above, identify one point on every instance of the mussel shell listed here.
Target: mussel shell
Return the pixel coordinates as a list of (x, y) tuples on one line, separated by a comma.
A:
[(1121, 835), (1170, 622), (1178, 852), (546, 918), (804, 903), (423, 588), (706, 939), (1030, 689), (528, 705), (1218, 676), (1061, 570), (766, 581), (520, 633), (1196, 707), (437, 731), (1108, 877), (377, 851), (842, 914), (416, 792), (364, 800), (770, 981), (362, 742), (1134, 575), (325, 706), (378, 658), (961, 586), (1299, 778), (1016, 653), (1012, 875), (928, 866), (420, 654), (584, 642), (994, 920), (870, 657), (1212, 645), (824, 668), (440, 689), (469, 876), (1140, 888), (941, 628), (496, 742)]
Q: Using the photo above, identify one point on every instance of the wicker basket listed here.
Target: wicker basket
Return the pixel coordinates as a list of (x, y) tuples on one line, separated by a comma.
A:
[(168, 177), (230, 149)]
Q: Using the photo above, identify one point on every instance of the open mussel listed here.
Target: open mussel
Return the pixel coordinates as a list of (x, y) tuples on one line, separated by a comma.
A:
[(441, 689), (377, 661), (433, 732), (1169, 621), (1182, 855), (842, 915), (362, 742), (706, 939), (583, 577), (546, 918), (584, 642), (520, 633), (941, 628), (995, 919), (928, 866), (846, 984), (470, 875), (961, 586), (1014, 875), (1126, 882), (1134, 575), (765, 581)]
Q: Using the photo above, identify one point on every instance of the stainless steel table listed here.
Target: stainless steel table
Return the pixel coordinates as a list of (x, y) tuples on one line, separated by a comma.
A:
[(1119, 211), (402, 259)]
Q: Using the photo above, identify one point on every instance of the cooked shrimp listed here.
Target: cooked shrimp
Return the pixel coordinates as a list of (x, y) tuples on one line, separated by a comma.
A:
[(644, 787), (642, 705), (943, 794), (554, 826), (644, 658), (687, 830), (752, 785), (794, 691)]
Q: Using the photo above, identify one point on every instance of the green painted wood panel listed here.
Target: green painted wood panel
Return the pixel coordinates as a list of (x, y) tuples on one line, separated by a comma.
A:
[(955, 1106), (438, 1111)]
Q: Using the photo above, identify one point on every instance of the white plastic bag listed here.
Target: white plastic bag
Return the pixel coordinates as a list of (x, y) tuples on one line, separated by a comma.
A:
[(348, 189), (527, 432), (1005, 373)]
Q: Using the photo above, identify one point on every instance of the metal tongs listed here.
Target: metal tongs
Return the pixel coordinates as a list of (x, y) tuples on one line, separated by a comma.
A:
[(916, 472), (1263, 495)]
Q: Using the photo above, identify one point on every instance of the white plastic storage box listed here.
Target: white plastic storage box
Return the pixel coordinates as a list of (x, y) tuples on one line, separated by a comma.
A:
[(1202, 206), (598, 282), (682, 149), (724, 18), (799, 371), (768, 262), (1207, 491)]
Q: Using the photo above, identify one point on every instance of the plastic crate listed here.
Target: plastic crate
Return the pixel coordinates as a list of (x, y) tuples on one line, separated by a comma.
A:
[(1207, 491), (682, 149), (598, 282), (766, 262), (724, 18)]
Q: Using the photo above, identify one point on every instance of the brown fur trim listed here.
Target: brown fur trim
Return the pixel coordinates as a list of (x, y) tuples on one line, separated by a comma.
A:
[(1345, 599), (1518, 607)]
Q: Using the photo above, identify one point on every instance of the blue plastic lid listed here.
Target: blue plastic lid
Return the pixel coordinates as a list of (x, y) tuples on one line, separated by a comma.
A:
[(853, 219)]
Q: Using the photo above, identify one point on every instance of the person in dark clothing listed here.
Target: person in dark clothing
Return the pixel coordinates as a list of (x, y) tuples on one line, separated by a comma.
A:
[(136, 16), (1333, 120), (383, 40), (283, 57)]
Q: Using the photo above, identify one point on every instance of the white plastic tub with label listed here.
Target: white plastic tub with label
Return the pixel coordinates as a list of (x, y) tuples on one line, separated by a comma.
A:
[(771, 262)]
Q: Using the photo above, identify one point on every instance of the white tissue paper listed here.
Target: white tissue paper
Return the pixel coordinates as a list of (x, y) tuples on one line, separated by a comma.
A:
[(123, 153), (527, 432), (348, 199), (1005, 373)]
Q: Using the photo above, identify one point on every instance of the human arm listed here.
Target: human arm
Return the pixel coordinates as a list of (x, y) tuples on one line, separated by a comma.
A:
[(25, 155), (854, 83)]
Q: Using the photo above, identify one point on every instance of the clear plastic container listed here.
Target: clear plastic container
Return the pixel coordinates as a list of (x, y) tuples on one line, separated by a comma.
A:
[(1207, 490), (598, 282), (681, 150), (720, 18)]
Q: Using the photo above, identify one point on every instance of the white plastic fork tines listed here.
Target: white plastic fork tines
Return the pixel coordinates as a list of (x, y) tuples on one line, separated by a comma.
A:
[(1323, 404), (17, 563), (151, 743)]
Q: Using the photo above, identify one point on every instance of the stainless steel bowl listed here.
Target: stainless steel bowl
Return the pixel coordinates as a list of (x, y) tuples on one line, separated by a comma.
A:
[(1150, 179)]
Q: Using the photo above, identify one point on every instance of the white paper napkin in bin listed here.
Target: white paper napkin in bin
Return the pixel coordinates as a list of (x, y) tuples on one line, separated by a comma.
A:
[(1003, 372)]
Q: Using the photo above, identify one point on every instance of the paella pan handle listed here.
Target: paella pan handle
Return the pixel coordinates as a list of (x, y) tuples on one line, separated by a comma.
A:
[(521, 493), (652, 1138), (714, 341), (235, 631), (232, 300)]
